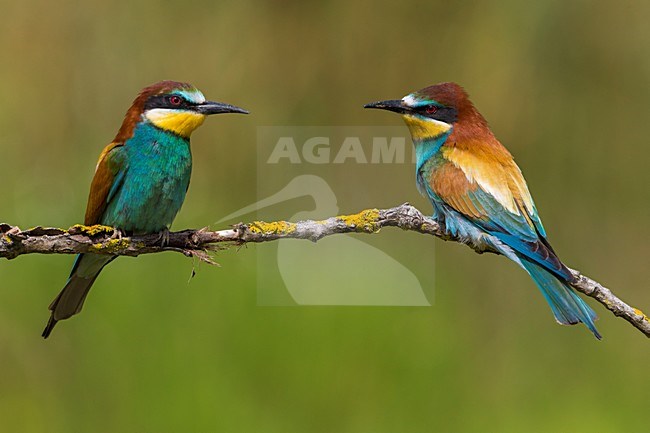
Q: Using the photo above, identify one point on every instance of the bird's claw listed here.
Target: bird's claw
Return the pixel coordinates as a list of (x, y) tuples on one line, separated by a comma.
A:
[(163, 237), (117, 234)]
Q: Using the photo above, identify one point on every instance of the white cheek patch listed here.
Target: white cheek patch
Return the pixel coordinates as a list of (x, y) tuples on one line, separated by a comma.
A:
[(440, 124), (158, 114)]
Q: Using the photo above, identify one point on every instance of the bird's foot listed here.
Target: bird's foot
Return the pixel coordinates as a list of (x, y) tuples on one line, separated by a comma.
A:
[(163, 237), (118, 234)]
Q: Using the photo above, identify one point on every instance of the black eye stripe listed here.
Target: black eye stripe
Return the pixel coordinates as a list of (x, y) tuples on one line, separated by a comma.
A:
[(425, 109), (442, 113), (164, 101)]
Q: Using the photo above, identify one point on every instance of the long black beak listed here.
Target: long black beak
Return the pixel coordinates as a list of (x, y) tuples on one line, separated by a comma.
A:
[(395, 105), (211, 107)]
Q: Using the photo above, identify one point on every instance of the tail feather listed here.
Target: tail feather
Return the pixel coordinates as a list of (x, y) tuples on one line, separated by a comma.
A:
[(568, 308), (48, 328), (69, 302), (71, 299)]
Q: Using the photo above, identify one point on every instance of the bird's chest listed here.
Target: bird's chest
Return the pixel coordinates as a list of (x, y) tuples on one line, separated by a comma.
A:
[(423, 176), (428, 160), (161, 169), (155, 183)]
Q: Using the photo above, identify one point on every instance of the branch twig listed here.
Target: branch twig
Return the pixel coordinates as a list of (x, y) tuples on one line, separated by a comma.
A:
[(198, 243)]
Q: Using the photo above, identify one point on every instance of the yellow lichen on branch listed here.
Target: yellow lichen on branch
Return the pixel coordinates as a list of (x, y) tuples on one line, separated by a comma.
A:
[(272, 228), (641, 313), (111, 245), (366, 221), (93, 230)]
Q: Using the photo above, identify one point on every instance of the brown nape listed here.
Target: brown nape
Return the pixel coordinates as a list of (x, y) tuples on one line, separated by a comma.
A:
[(133, 114)]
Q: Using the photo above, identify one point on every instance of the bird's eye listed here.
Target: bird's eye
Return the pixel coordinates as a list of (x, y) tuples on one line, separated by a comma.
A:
[(175, 100), (431, 109)]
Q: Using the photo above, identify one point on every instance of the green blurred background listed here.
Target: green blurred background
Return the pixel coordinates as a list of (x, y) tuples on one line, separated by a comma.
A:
[(565, 85)]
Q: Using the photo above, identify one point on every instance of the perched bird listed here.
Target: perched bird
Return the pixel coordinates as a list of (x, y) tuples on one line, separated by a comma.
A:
[(478, 192), (141, 178)]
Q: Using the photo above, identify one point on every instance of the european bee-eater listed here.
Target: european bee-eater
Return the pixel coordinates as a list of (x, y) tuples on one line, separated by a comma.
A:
[(478, 192), (140, 179)]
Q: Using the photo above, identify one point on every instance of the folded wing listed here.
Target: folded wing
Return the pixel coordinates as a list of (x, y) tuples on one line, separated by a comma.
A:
[(487, 187)]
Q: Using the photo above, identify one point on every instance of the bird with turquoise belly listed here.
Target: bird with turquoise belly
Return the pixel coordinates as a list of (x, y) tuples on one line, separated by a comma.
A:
[(141, 178)]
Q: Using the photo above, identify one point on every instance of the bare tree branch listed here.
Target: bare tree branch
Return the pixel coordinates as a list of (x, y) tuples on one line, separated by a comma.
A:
[(199, 243)]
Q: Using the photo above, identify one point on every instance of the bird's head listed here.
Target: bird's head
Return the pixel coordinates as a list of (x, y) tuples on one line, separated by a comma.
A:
[(431, 112), (172, 106)]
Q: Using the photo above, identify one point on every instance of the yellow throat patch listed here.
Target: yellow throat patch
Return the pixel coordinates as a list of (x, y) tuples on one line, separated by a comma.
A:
[(182, 123), (422, 129)]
